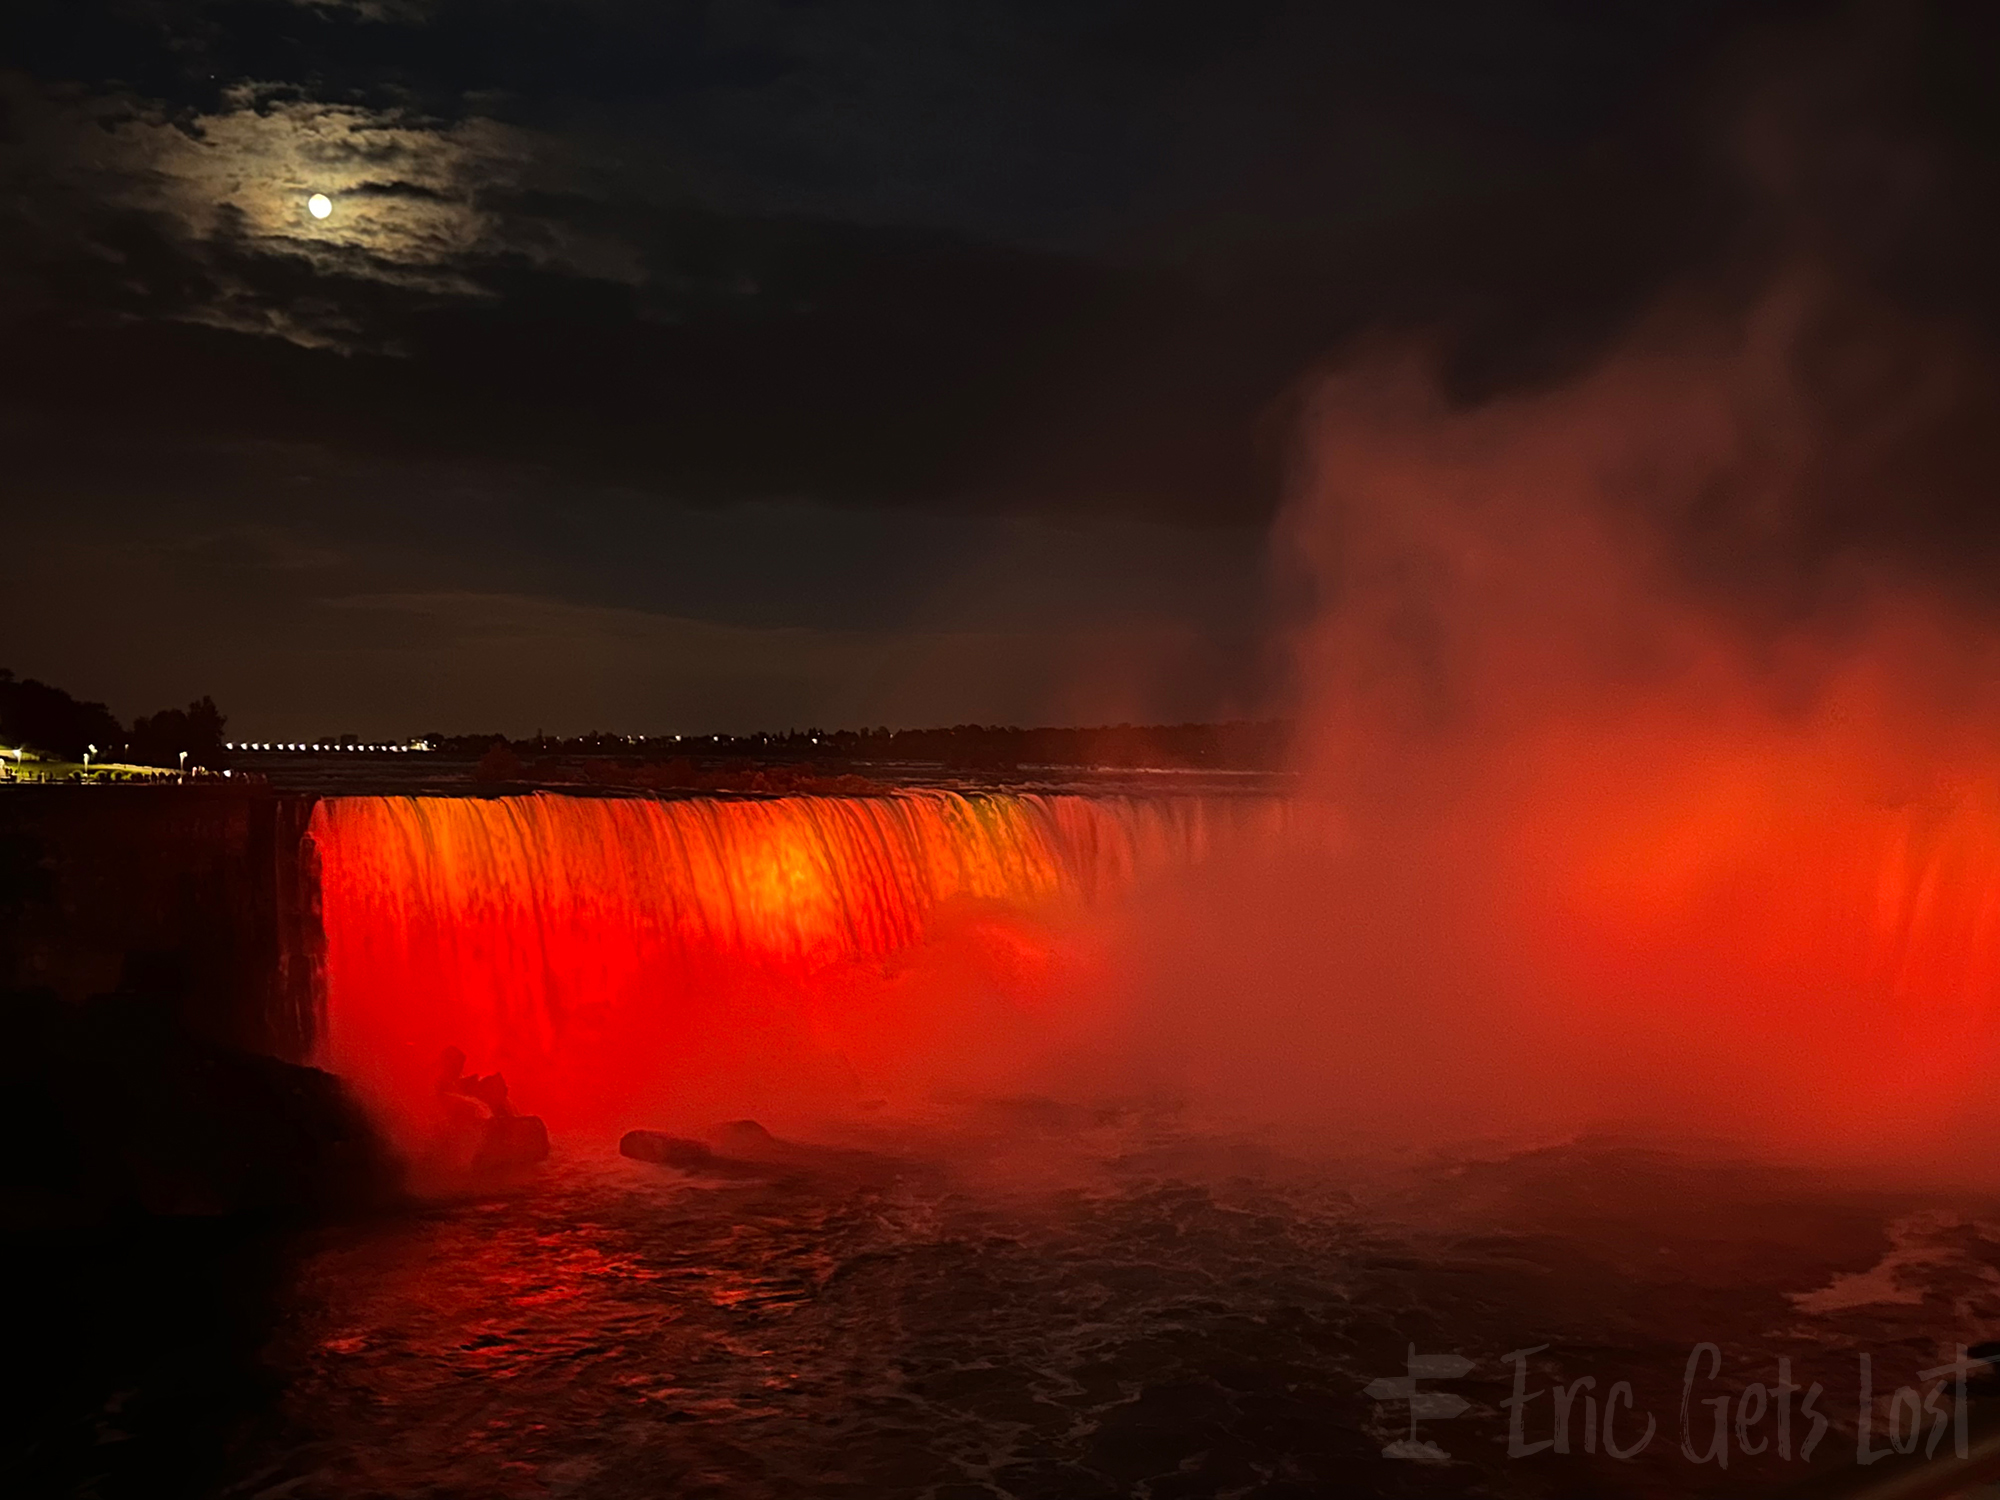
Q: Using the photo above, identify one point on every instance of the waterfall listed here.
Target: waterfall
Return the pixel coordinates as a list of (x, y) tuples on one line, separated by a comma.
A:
[(589, 947)]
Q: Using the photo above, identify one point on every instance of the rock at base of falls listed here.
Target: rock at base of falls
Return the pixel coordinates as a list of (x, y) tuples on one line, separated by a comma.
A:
[(743, 1148), (672, 1151), (513, 1141)]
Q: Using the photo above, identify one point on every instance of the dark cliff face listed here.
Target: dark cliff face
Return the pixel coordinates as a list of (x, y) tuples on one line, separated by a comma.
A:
[(112, 1110), (154, 1186), (164, 1146), (204, 899)]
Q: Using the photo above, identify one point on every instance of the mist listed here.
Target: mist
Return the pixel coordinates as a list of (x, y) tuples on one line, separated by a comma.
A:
[(1625, 803)]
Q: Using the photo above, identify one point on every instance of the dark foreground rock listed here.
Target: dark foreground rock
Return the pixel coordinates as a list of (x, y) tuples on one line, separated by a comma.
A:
[(152, 1190), (111, 1108)]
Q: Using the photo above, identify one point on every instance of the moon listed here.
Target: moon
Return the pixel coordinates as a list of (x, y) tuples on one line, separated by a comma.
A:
[(319, 205)]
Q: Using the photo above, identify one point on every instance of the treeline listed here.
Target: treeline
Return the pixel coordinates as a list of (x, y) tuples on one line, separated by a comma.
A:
[(1242, 745), (48, 720)]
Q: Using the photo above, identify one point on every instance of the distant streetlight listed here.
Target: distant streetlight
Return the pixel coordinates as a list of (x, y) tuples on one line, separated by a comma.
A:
[(184, 762)]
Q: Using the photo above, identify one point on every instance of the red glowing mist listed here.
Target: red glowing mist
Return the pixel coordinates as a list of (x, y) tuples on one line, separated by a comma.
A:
[(1634, 807), (631, 961)]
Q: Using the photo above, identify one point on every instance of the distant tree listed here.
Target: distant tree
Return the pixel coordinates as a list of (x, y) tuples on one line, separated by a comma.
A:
[(48, 719), (158, 739)]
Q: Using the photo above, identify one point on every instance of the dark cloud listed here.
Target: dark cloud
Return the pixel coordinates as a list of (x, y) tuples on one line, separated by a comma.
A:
[(866, 317), (1010, 254)]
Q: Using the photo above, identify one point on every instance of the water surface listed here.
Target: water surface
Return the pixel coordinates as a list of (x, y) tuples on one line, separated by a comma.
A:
[(1146, 1317)]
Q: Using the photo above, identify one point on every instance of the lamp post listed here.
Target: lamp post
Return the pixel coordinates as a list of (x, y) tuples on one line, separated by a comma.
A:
[(89, 750), (184, 765)]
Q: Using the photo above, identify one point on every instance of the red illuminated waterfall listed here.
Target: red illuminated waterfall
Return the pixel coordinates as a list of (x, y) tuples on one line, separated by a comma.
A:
[(1837, 964), (608, 954)]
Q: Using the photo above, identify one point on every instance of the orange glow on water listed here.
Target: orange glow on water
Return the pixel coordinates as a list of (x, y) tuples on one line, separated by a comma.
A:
[(619, 955)]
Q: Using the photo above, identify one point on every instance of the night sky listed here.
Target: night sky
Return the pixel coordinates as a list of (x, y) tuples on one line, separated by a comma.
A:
[(676, 367)]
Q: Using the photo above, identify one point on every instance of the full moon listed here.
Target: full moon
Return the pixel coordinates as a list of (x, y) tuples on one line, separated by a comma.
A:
[(319, 205)]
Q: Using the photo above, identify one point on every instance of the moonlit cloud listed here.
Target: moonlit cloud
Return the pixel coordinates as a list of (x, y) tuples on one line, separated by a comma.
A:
[(883, 321)]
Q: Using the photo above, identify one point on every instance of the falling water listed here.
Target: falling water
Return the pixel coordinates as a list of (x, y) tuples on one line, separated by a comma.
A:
[(602, 952)]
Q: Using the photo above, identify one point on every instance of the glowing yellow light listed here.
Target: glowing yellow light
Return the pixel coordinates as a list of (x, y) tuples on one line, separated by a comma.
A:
[(319, 205)]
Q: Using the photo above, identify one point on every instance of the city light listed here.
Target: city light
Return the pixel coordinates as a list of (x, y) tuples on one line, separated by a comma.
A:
[(302, 748)]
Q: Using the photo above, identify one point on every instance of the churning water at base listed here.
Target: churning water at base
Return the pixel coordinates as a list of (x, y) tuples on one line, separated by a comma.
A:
[(1178, 1318)]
